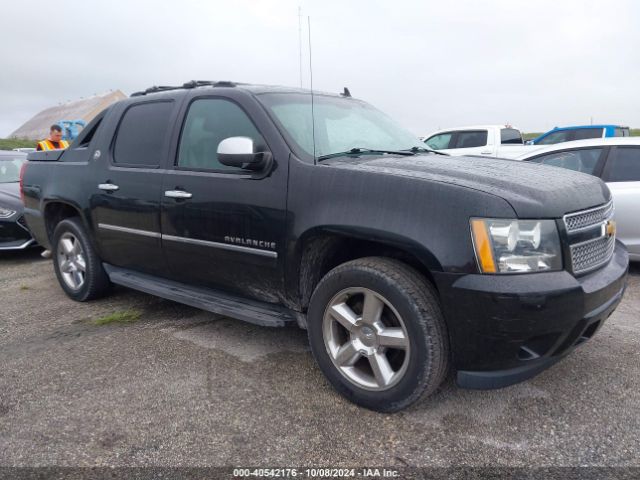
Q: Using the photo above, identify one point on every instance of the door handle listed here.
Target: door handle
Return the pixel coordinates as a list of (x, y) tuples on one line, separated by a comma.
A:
[(108, 187), (486, 152), (177, 194)]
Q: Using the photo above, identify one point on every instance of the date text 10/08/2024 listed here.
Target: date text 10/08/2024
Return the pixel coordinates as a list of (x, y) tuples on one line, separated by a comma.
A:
[(316, 472)]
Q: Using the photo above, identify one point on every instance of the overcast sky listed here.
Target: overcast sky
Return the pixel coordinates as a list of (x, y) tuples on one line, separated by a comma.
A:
[(535, 64)]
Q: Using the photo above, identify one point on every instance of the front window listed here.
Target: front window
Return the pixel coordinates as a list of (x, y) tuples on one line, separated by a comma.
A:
[(440, 141), (10, 169), (209, 121), (340, 125), (555, 137)]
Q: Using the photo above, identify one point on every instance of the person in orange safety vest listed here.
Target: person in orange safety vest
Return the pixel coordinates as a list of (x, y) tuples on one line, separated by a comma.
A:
[(54, 142)]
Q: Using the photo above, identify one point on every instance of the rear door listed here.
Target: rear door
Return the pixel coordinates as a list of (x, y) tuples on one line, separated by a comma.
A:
[(127, 186), (622, 174), (225, 227)]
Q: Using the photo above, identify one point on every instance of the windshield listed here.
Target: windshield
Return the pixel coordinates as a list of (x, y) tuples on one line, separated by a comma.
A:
[(10, 169), (341, 124)]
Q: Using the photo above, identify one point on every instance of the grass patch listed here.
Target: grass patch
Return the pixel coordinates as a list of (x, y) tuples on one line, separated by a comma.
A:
[(11, 143), (24, 287), (126, 316)]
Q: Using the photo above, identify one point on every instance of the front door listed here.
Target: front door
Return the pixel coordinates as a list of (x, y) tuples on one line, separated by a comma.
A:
[(128, 188), (223, 227)]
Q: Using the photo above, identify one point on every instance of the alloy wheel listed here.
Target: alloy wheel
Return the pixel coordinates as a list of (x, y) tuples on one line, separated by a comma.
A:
[(366, 339), (71, 261)]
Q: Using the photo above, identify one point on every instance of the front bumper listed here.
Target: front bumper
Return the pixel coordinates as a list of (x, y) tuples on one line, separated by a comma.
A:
[(507, 328), (14, 234)]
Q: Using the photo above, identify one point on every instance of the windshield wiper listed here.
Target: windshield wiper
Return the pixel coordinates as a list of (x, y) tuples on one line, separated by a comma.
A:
[(426, 150), (357, 150)]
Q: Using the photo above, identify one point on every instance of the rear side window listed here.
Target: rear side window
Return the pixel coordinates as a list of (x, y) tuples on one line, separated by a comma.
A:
[(142, 134), (510, 136), (584, 133), (471, 138), (440, 141), (584, 160), (621, 132), (88, 134), (624, 165), (208, 122)]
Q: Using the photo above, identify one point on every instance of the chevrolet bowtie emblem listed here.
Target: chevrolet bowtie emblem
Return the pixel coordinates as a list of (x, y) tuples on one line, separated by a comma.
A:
[(610, 228)]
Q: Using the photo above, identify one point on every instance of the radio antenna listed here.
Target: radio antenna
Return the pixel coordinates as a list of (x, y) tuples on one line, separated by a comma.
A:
[(300, 42), (313, 118)]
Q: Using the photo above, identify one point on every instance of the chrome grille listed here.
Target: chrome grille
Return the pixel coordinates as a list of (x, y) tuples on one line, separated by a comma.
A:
[(592, 254), (588, 218), (597, 250)]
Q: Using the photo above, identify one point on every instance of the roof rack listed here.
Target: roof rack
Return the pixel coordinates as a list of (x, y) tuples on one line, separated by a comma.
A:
[(186, 85)]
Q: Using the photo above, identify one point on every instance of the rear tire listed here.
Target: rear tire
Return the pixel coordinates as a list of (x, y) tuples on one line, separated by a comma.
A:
[(77, 266), (377, 333)]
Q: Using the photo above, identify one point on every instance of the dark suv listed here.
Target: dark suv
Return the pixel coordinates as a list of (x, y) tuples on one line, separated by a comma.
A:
[(272, 205)]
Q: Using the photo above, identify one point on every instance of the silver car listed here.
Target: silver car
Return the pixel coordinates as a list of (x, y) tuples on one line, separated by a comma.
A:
[(617, 162)]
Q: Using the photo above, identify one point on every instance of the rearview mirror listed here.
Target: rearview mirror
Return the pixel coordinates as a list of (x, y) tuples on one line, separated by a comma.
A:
[(240, 152)]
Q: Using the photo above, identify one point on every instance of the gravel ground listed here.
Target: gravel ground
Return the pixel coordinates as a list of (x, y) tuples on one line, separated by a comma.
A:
[(182, 387)]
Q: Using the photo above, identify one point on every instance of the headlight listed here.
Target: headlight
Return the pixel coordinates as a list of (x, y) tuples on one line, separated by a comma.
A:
[(6, 213), (516, 246)]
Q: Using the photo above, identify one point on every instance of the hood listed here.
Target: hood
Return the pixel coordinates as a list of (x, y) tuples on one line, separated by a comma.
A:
[(10, 196), (533, 190)]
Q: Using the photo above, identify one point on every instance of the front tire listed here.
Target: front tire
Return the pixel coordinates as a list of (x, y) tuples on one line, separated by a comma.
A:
[(77, 266), (377, 333)]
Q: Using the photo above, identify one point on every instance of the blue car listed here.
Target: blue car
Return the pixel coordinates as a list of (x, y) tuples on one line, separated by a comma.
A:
[(580, 132)]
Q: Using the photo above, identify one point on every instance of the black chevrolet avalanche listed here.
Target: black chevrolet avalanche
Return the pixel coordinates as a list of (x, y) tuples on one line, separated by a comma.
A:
[(272, 205)]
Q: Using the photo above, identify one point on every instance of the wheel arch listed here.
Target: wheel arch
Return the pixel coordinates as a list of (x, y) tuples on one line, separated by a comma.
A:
[(321, 249), (57, 210)]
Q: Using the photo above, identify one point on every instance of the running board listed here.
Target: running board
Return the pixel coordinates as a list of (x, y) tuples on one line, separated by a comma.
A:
[(222, 303)]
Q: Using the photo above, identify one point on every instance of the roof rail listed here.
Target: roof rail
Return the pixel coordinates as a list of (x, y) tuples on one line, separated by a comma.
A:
[(186, 85)]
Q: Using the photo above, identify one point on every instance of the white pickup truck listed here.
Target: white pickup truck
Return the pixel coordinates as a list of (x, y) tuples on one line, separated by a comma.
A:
[(502, 141)]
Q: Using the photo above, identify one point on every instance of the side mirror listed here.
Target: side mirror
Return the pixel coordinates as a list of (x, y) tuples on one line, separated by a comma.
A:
[(240, 152), (529, 142)]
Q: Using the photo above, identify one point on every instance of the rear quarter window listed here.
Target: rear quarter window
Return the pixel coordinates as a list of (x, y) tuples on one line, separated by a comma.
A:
[(509, 136), (584, 133)]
